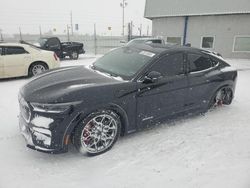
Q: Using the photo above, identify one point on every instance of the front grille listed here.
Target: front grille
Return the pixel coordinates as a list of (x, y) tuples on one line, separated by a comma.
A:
[(25, 110)]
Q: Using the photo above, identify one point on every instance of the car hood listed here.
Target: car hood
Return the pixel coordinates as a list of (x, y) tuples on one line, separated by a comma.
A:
[(56, 85)]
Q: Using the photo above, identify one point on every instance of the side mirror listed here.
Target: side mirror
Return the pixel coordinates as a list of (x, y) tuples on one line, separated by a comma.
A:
[(152, 77)]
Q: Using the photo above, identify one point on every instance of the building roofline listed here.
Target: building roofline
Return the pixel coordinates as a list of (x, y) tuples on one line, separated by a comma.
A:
[(203, 14)]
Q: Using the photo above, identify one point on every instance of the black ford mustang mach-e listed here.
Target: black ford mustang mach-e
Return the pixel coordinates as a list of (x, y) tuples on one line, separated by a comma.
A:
[(124, 91)]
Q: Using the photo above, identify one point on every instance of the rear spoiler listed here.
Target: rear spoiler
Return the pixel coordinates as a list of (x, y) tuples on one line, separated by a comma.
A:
[(205, 51), (212, 52)]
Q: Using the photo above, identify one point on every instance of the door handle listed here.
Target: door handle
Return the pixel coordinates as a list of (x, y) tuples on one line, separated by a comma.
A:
[(169, 82), (144, 89)]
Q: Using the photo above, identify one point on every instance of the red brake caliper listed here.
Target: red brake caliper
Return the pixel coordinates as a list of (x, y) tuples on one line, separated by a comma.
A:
[(86, 131)]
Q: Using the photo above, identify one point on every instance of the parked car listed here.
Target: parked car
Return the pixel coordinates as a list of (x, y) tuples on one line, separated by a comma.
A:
[(124, 91), (24, 60), (146, 41), (62, 49)]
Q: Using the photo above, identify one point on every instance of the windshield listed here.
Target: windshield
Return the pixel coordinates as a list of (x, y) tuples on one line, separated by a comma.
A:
[(136, 42), (124, 62), (41, 42)]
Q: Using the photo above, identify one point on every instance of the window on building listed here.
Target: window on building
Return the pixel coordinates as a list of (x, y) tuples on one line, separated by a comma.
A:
[(14, 50), (174, 40), (242, 44), (207, 42), (198, 62), (170, 65)]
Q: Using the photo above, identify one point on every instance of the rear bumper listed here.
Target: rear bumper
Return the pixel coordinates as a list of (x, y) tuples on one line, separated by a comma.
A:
[(82, 51)]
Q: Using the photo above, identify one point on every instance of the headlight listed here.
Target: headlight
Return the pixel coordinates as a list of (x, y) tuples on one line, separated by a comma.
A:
[(53, 108)]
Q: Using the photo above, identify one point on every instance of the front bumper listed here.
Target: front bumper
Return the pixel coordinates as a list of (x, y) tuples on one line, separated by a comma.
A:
[(40, 139)]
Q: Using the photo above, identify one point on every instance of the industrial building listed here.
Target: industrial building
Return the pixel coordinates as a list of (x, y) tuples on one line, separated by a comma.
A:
[(218, 25)]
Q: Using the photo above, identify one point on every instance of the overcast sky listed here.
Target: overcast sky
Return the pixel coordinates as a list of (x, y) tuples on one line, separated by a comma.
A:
[(50, 14)]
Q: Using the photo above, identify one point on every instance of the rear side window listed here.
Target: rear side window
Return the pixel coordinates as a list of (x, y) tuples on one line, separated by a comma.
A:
[(198, 62), (170, 65), (54, 43), (14, 51), (154, 42)]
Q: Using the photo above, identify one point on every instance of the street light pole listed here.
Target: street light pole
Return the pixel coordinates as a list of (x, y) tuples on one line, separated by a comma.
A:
[(1, 36), (123, 4), (71, 23)]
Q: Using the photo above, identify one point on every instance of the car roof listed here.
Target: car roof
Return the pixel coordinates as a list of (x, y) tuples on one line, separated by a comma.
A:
[(13, 44), (161, 48), (146, 38), (47, 37)]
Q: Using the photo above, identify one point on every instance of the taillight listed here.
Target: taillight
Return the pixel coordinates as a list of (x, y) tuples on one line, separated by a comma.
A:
[(55, 56)]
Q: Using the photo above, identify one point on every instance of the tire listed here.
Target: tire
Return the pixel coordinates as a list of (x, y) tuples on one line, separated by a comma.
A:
[(74, 55), (223, 96), (97, 133), (37, 68)]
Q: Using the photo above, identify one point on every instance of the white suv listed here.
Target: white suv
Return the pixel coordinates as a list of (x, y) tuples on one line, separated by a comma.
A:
[(25, 60)]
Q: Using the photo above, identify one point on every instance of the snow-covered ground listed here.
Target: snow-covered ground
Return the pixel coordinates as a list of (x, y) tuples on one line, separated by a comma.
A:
[(206, 151)]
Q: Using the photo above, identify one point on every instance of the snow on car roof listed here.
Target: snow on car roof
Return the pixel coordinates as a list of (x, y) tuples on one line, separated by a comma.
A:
[(159, 48)]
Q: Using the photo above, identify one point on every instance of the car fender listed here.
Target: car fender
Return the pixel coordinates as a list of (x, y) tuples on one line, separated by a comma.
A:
[(83, 114)]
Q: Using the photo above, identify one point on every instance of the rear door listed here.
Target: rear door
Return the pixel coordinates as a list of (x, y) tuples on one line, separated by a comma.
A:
[(1, 63), (15, 61), (166, 96), (199, 80)]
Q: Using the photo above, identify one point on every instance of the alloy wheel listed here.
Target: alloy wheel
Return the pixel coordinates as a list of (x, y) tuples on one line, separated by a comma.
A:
[(99, 133), (38, 69)]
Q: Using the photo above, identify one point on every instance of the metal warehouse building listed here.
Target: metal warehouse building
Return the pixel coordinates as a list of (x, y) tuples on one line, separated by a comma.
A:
[(219, 25)]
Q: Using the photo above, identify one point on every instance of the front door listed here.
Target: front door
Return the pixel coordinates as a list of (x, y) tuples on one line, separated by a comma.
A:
[(165, 97)]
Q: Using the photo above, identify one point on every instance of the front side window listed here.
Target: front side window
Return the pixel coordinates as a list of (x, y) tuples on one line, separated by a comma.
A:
[(14, 51), (170, 65), (1, 50), (198, 62), (242, 44), (174, 40), (207, 42)]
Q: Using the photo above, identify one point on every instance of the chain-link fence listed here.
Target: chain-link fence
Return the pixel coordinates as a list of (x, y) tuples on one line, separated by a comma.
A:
[(92, 44)]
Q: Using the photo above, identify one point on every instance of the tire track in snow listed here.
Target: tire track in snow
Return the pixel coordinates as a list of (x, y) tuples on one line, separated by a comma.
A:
[(9, 137)]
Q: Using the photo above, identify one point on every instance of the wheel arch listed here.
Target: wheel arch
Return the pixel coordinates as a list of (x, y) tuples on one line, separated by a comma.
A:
[(36, 62), (227, 84), (82, 115)]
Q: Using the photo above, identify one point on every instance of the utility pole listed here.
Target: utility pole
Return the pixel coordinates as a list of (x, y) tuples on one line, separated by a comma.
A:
[(20, 33), (140, 30), (1, 35), (123, 4), (71, 23), (95, 39), (68, 33), (40, 31), (131, 30)]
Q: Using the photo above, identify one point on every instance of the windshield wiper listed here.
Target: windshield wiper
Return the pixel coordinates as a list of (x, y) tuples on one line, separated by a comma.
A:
[(103, 71)]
